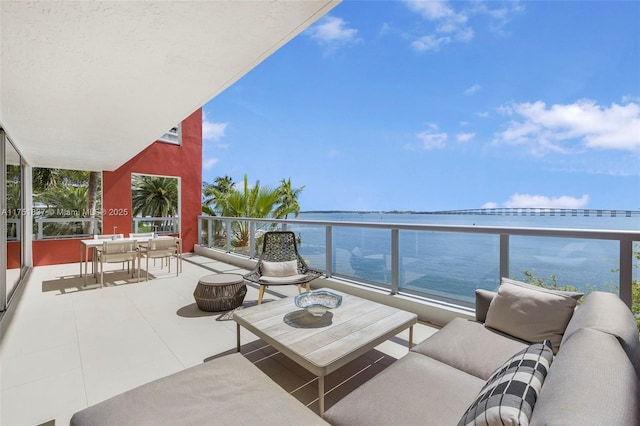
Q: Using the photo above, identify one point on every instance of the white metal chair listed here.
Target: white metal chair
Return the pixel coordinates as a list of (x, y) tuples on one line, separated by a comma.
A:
[(161, 248), (116, 251)]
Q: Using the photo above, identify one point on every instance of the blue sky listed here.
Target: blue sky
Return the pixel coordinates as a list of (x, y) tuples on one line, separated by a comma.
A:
[(407, 105)]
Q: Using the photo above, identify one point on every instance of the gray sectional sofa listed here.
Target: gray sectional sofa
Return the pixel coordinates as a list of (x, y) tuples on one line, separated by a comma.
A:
[(566, 366), (593, 379)]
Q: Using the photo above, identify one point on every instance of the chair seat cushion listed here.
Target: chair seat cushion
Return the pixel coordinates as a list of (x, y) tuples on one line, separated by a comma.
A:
[(291, 279)]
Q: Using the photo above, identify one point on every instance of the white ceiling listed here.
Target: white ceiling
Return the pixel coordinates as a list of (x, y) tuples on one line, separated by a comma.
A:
[(88, 85)]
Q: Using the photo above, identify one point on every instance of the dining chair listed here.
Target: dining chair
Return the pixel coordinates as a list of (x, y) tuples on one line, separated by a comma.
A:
[(161, 248), (141, 235), (115, 251)]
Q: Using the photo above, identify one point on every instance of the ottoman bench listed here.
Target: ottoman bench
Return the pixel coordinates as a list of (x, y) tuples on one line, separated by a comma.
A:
[(220, 292), (229, 390)]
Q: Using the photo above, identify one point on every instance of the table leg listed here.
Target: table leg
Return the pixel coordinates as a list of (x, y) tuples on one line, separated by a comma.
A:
[(80, 259), (238, 337), (321, 395), (410, 337)]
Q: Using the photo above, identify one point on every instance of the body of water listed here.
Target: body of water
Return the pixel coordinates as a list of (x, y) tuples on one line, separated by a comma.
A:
[(453, 265)]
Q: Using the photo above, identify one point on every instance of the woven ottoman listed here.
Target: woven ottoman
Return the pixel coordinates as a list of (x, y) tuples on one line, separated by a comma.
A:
[(220, 292)]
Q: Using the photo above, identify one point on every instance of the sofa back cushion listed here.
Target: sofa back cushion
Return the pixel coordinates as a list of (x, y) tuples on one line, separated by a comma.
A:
[(591, 382), (530, 313), (607, 312), (470, 346), (483, 301)]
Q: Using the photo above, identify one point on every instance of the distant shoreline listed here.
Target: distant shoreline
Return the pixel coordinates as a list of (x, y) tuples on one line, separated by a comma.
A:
[(524, 211)]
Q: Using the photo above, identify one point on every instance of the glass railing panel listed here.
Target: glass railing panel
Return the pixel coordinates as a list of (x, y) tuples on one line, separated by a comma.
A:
[(218, 234), (566, 263), (311, 244), (448, 266), (363, 254)]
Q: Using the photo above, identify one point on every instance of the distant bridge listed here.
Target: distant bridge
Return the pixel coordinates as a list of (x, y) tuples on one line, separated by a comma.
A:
[(542, 211)]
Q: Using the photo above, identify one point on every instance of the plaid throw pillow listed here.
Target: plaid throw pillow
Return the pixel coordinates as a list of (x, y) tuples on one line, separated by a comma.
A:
[(510, 393)]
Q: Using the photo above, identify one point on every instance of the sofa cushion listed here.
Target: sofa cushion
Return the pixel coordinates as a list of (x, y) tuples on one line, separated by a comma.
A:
[(607, 312), (572, 294), (510, 394), (229, 390), (591, 382), (415, 390), (280, 269), (470, 346), (483, 300), (530, 313)]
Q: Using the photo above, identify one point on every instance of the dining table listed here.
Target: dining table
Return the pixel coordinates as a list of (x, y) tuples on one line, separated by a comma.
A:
[(93, 243)]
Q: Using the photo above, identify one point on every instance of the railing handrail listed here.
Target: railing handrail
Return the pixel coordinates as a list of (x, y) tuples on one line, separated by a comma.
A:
[(595, 234)]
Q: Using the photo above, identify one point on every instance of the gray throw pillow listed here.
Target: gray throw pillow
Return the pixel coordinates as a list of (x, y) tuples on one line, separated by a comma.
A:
[(530, 313)]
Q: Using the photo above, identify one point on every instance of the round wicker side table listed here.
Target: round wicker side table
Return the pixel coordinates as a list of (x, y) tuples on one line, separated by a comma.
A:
[(220, 292)]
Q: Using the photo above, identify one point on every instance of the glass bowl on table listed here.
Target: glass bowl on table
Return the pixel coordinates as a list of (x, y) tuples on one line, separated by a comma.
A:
[(318, 302)]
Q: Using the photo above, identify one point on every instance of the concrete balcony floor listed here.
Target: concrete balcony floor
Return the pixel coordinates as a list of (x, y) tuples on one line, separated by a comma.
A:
[(65, 346)]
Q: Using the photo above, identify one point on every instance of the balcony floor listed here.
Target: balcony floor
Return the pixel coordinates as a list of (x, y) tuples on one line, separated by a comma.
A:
[(67, 346)]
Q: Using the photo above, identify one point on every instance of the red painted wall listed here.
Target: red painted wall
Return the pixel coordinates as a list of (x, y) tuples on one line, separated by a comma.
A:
[(13, 254), (166, 159), (184, 161)]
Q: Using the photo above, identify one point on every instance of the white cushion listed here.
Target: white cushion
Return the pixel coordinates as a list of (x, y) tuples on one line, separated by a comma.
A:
[(530, 313), (280, 269)]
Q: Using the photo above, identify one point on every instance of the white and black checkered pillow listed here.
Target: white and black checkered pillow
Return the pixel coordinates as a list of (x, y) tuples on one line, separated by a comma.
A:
[(510, 393)]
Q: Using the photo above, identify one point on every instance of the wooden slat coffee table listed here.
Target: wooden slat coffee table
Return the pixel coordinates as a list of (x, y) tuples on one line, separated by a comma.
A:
[(323, 344)]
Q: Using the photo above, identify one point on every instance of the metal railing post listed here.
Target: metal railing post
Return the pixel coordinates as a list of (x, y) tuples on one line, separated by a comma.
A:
[(395, 260), (40, 232), (328, 245), (252, 240), (228, 226), (210, 236), (200, 219), (626, 268), (504, 257)]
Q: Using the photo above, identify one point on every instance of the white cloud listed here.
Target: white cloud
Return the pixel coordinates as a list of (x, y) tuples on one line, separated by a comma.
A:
[(209, 163), (490, 205), (435, 9), (432, 140), (567, 128), (543, 201), (482, 114), (212, 131), (333, 32), (473, 89), (465, 137), (429, 42), (453, 25)]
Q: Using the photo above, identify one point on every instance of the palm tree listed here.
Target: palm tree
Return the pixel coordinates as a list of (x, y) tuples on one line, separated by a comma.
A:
[(288, 199), (215, 193), (65, 201), (45, 179), (154, 196), (255, 201)]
